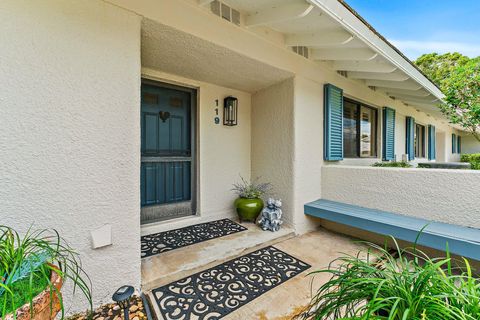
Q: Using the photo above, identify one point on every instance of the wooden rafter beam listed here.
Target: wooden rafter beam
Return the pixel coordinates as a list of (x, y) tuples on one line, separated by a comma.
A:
[(407, 85), (319, 39), (344, 54), (432, 106), (414, 93), (426, 100), (393, 76), (279, 13), (364, 66)]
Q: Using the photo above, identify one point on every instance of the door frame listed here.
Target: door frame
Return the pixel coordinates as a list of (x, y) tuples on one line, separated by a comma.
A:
[(149, 80)]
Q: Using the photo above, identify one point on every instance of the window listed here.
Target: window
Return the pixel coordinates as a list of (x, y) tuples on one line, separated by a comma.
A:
[(419, 141), (359, 130)]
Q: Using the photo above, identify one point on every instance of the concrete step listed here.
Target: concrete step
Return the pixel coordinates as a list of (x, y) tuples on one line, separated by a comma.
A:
[(166, 267)]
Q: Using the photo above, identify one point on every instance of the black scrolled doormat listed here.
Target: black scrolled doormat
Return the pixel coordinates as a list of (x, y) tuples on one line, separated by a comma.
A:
[(218, 291), (156, 243)]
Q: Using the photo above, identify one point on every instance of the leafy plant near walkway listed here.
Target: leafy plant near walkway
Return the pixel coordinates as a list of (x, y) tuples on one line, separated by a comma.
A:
[(473, 158), (26, 265), (404, 285)]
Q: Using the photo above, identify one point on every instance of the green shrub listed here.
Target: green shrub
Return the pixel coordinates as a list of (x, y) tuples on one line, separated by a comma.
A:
[(475, 165), (469, 157), (402, 285), (393, 164), (473, 158)]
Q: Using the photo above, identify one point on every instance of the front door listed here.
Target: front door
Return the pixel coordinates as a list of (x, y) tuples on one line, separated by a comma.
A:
[(167, 151)]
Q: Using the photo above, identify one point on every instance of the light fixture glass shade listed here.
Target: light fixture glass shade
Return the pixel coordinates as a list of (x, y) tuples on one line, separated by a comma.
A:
[(230, 111)]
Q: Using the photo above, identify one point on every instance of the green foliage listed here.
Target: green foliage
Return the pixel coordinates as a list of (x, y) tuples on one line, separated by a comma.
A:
[(26, 288), (27, 262), (473, 158), (402, 285), (439, 67), (393, 164), (462, 96), (459, 78), (251, 190)]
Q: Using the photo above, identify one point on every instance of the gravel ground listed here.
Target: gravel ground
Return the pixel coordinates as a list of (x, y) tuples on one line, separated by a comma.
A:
[(112, 311)]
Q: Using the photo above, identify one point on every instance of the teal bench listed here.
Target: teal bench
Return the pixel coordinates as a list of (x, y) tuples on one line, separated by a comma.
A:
[(462, 241)]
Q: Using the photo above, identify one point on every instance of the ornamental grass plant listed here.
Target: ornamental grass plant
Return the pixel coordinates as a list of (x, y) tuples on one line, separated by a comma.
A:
[(403, 284), (251, 189), (27, 263)]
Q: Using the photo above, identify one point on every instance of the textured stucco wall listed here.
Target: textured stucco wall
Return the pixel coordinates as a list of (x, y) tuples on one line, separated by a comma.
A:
[(70, 130), (470, 144), (223, 152), (449, 196), (308, 149), (272, 141)]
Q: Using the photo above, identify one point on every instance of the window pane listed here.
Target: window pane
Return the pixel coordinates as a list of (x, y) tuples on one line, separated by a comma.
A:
[(417, 147), (350, 133), (419, 141), (368, 132)]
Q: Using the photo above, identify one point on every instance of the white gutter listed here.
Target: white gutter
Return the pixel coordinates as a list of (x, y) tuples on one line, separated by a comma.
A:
[(357, 28)]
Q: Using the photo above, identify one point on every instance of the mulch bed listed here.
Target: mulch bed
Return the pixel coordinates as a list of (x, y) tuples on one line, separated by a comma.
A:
[(112, 311)]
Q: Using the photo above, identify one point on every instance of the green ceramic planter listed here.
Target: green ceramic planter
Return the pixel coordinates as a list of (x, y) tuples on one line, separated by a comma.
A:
[(248, 209)]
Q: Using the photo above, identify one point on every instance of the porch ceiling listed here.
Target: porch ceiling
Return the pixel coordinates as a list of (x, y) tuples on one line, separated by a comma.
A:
[(170, 50), (335, 34)]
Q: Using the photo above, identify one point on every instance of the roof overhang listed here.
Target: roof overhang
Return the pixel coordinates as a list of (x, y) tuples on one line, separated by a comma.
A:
[(336, 35)]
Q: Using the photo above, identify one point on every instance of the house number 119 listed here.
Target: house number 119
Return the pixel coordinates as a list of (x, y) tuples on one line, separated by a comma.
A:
[(217, 118)]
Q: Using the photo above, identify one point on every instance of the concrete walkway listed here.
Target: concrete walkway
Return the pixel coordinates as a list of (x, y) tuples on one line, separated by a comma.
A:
[(318, 249)]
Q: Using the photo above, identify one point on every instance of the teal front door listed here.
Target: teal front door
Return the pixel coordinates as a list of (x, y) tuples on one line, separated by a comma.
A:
[(167, 151)]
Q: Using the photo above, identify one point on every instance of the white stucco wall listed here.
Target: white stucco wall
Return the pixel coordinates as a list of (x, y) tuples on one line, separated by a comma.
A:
[(470, 144), (449, 196), (272, 142), (223, 152), (70, 139), (70, 130), (308, 143)]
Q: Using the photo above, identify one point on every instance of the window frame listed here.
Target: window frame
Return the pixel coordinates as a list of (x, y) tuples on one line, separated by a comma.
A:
[(359, 105)]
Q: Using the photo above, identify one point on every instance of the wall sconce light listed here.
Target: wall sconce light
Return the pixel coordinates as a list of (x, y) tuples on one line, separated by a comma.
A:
[(230, 111)]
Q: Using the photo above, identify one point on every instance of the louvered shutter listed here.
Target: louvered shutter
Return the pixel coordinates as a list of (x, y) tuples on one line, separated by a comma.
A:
[(431, 143), (333, 123), (410, 138), (459, 144), (388, 149), (454, 143)]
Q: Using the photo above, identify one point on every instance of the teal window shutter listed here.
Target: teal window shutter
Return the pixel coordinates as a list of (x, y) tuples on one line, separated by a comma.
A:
[(431, 143), (454, 143), (333, 123), (459, 144), (388, 149), (410, 138)]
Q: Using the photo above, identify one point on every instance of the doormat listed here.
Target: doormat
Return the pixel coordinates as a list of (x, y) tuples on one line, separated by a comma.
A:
[(218, 291), (156, 243)]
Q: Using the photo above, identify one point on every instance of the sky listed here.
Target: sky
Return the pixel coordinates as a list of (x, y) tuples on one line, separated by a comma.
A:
[(425, 26)]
